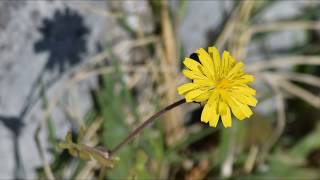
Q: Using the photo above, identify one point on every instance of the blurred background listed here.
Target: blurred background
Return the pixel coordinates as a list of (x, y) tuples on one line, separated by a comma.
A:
[(109, 65)]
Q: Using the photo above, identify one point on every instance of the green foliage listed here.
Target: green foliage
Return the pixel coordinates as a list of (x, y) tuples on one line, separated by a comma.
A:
[(85, 152), (115, 129)]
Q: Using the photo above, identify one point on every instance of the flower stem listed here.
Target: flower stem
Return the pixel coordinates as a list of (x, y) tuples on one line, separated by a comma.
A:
[(144, 124)]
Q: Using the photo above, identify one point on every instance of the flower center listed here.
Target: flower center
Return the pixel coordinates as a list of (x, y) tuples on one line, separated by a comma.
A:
[(223, 84)]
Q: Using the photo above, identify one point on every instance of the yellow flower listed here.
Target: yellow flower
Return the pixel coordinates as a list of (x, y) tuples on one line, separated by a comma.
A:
[(221, 83)]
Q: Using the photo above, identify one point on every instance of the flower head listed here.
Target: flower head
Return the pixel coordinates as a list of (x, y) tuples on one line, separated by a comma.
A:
[(221, 83)]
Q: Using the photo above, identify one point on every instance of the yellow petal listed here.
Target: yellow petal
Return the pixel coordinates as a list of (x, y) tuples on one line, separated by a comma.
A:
[(244, 79), (237, 113), (235, 69), (212, 104), (210, 115), (193, 74), (243, 108), (193, 94), (204, 82), (192, 65), (225, 114), (222, 108), (206, 113), (233, 106), (235, 109), (214, 53), (206, 61), (246, 110), (187, 87), (213, 122), (203, 97), (226, 63), (246, 99), (213, 99), (244, 89)]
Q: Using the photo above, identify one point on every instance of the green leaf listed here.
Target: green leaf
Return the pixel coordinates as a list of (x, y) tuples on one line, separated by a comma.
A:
[(141, 171), (81, 134), (73, 152), (84, 155), (308, 143), (63, 145), (105, 162), (85, 152), (69, 137)]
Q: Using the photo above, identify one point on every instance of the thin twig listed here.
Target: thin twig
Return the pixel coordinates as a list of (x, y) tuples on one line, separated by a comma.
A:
[(284, 25), (250, 162), (228, 29), (173, 129), (46, 165), (301, 77), (282, 62), (301, 93), (144, 124), (281, 116)]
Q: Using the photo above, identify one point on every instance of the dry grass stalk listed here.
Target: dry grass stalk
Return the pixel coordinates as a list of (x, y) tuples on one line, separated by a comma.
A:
[(90, 139), (47, 169), (228, 29), (282, 62), (250, 162), (301, 93), (301, 77), (284, 25), (274, 82), (173, 125)]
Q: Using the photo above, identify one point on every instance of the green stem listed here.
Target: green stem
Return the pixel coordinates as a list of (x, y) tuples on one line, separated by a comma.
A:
[(144, 124)]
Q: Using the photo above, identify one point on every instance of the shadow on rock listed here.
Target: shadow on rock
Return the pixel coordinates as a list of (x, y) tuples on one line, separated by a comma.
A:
[(64, 36)]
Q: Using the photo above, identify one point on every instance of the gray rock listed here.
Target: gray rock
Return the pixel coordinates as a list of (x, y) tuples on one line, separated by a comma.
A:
[(27, 51)]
